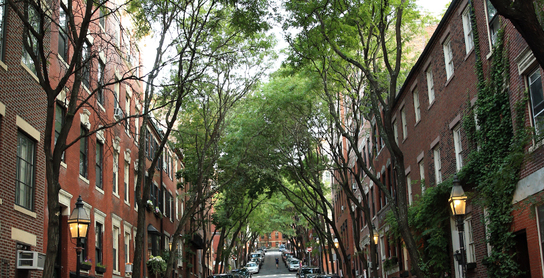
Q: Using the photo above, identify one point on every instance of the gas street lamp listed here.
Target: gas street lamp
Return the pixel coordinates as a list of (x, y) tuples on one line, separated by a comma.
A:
[(79, 225), (458, 202)]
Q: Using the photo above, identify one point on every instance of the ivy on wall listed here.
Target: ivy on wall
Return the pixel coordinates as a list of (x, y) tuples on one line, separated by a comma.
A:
[(497, 156)]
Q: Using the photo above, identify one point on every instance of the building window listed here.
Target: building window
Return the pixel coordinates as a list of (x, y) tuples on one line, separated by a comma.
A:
[(83, 153), (116, 93), (115, 181), (416, 105), (98, 242), (100, 82), (60, 112), (422, 175), (537, 101), (470, 247), (127, 110), (127, 246), (467, 28), (24, 193), (2, 25), (126, 182), (137, 126), (86, 61), (430, 84), (115, 253), (102, 18), (169, 205), (448, 57), (437, 165), (458, 147), (99, 164), (493, 22), (63, 33), (409, 187), (34, 19), (403, 123)]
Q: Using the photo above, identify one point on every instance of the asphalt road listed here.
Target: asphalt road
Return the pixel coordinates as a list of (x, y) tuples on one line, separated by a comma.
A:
[(268, 269)]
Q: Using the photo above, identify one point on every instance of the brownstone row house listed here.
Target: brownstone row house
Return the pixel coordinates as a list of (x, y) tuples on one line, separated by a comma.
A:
[(428, 127), (100, 167)]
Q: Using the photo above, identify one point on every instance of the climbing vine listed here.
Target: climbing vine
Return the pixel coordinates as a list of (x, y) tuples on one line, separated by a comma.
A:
[(497, 156), (429, 220)]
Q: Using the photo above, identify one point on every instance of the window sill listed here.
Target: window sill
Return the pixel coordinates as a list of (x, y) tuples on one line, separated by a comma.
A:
[(536, 145), (418, 121), (30, 72), (4, 66), (116, 195), (63, 164), (431, 104), (449, 79), (127, 203), (99, 190), (101, 107), (83, 179), (62, 61), (24, 211), (469, 53), (489, 54), (116, 273), (85, 88)]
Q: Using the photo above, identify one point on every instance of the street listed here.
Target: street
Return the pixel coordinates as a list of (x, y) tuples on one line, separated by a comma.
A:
[(268, 269)]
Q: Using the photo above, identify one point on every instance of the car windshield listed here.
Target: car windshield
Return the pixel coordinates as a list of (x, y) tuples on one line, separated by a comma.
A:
[(310, 270), (251, 264), (294, 262)]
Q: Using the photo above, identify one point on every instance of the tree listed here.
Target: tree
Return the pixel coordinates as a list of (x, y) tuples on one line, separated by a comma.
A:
[(62, 73), (528, 18), (370, 36)]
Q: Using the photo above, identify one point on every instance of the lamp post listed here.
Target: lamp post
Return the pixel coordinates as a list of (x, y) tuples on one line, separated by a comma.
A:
[(458, 202), (79, 225)]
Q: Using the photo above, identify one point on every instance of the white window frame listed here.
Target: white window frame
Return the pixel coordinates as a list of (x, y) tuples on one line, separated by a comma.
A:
[(396, 131), (421, 165), (448, 58), (537, 123), (470, 246), (467, 29), (417, 109), (115, 233), (458, 147), (430, 84), (126, 174), (403, 123), (437, 164), (115, 189), (409, 187)]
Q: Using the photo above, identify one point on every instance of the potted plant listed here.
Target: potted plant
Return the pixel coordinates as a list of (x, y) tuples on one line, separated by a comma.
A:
[(156, 266), (158, 212), (149, 205), (100, 268), (86, 264)]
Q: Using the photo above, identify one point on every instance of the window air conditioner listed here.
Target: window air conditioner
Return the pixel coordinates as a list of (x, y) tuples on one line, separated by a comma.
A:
[(30, 260), (128, 268), (117, 114)]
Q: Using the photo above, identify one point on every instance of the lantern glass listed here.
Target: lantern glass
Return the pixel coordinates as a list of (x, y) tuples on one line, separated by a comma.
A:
[(375, 238), (458, 199), (336, 243), (79, 221)]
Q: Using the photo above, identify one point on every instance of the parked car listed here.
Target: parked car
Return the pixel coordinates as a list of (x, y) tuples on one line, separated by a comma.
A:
[(252, 267), (305, 270), (328, 276), (223, 275), (293, 265), (243, 272)]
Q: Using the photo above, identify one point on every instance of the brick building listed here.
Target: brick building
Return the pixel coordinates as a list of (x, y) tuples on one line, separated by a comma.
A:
[(100, 167), (428, 127)]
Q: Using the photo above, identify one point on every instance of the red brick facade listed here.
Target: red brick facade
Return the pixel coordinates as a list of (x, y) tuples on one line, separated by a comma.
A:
[(434, 130)]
